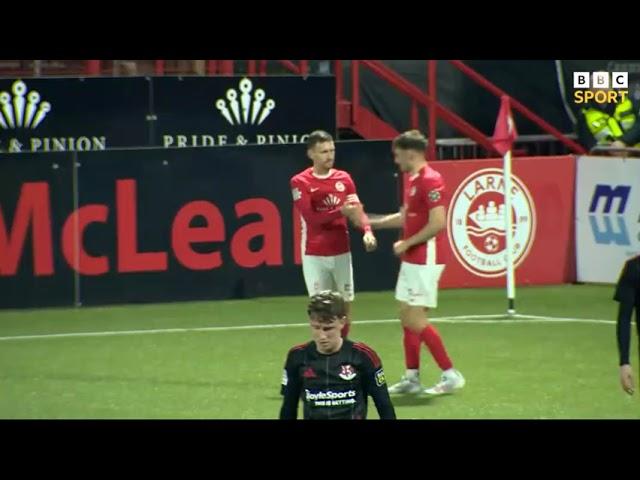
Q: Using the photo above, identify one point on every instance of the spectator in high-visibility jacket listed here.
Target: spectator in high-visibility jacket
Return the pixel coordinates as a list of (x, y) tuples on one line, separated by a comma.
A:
[(609, 124)]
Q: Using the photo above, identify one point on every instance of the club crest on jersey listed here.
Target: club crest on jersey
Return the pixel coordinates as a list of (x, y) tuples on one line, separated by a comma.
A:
[(412, 192), (434, 195), (380, 380), (340, 186), (331, 200), (347, 372)]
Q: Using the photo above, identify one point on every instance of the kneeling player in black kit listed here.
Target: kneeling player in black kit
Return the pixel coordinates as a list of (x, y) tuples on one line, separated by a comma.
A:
[(333, 376)]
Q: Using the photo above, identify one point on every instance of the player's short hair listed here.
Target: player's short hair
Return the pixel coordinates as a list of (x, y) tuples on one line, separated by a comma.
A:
[(318, 136), (410, 140), (327, 305)]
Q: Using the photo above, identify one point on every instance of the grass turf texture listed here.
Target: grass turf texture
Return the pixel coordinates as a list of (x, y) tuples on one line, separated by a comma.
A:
[(527, 368)]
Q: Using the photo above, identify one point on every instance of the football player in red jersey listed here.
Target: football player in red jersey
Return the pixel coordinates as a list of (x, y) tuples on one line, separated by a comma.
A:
[(423, 220), (326, 197)]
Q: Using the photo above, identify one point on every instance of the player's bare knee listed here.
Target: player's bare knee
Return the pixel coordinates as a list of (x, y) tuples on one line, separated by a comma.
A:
[(414, 326), (416, 318), (403, 312)]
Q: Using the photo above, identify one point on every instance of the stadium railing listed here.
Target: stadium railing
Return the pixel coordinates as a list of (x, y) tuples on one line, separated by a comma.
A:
[(351, 113)]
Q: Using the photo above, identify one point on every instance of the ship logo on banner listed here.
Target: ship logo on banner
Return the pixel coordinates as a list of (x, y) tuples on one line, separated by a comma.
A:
[(476, 225)]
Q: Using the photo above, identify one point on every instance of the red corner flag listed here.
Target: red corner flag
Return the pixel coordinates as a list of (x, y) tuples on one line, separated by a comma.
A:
[(505, 132)]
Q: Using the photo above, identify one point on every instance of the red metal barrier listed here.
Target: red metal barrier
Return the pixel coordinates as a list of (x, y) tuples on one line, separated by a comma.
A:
[(355, 89), (289, 65), (93, 67), (225, 67), (421, 98), (427, 99), (433, 116), (415, 123), (479, 79), (159, 67)]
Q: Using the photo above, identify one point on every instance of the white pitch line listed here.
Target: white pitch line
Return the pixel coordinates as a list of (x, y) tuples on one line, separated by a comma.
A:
[(564, 319), (489, 319)]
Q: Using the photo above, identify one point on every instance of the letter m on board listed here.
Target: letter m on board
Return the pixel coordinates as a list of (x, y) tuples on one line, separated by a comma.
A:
[(609, 234), (609, 194)]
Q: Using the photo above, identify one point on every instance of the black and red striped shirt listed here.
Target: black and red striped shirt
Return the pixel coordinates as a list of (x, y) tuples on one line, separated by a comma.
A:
[(335, 386)]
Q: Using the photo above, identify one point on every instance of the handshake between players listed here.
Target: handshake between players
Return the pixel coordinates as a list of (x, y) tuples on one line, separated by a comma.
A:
[(354, 212)]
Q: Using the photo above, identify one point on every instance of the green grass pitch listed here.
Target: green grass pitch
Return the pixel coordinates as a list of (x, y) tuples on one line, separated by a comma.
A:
[(188, 360)]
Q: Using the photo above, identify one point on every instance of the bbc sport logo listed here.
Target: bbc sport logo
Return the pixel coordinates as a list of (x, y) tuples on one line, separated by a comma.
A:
[(601, 87)]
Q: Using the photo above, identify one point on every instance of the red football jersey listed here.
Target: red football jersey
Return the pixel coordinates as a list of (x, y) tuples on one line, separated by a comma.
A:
[(422, 192), (318, 200)]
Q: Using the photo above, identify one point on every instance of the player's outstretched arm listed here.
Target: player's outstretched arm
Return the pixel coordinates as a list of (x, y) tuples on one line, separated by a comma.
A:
[(354, 211), (379, 222), (437, 222), (357, 215)]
